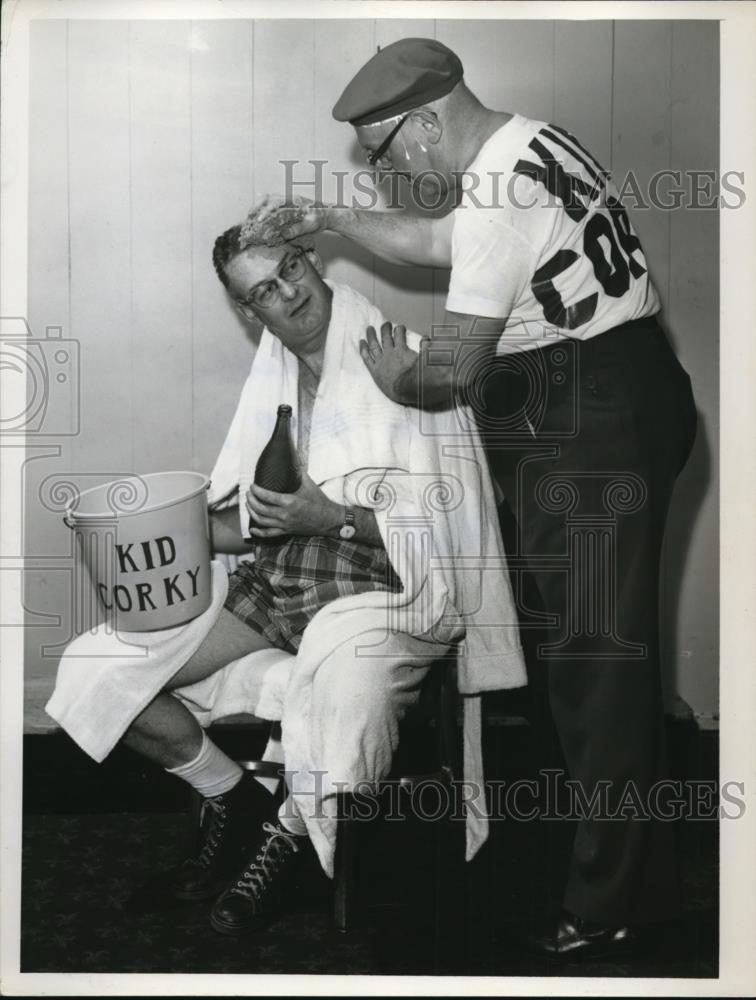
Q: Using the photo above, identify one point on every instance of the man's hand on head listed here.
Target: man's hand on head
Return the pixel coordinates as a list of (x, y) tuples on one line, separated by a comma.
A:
[(307, 512), (272, 218), (308, 220)]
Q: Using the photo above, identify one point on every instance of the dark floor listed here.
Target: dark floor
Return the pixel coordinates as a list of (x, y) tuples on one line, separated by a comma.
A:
[(92, 847)]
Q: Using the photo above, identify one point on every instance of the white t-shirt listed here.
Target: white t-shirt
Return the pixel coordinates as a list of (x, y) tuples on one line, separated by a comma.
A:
[(540, 238)]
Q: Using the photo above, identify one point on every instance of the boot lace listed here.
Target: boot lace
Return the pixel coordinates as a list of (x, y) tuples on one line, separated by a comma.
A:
[(276, 849), (215, 828)]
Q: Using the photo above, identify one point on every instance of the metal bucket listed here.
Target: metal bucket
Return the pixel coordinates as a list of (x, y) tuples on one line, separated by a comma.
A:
[(145, 541)]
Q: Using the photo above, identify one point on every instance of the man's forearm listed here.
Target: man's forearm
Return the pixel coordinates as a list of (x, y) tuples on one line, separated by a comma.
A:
[(396, 237), (447, 365), (435, 390)]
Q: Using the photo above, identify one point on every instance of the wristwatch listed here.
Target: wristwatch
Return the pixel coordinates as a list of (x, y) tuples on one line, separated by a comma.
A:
[(347, 529)]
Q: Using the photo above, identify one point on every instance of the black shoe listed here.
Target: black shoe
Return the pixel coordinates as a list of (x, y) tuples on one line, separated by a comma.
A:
[(227, 825), (577, 939), (258, 892)]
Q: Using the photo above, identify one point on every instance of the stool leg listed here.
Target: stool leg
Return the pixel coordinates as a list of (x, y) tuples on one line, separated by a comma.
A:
[(345, 872)]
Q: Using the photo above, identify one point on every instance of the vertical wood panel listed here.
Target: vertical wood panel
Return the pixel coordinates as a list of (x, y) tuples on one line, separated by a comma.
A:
[(391, 29), (80, 94), (222, 191), (48, 305), (406, 295), (583, 84), (509, 65), (48, 176), (694, 232), (284, 120), (161, 244), (641, 129), (641, 144), (48, 295), (335, 141), (690, 621), (100, 239)]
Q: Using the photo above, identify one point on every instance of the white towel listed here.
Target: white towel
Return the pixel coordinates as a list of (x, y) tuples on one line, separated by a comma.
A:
[(437, 520), (105, 678)]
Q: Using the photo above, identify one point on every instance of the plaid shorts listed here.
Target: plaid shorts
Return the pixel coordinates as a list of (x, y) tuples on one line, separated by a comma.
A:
[(280, 592)]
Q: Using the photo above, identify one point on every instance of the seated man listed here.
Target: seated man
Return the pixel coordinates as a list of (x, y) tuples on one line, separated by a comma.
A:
[(300, 564), (312, 549)]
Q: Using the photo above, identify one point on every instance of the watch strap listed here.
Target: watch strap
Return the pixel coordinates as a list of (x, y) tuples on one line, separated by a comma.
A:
[(347, 529)]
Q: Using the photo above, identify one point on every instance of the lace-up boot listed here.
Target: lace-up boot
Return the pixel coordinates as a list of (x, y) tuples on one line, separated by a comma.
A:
[(225, 834), (259, 890)]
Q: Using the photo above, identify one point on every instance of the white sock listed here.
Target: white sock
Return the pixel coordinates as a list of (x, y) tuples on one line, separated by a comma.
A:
[(273, 752), (289, 818), (211, 772)]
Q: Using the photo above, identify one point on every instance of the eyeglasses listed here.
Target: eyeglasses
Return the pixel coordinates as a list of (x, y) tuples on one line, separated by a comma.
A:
[(291, 268), (375, 157)]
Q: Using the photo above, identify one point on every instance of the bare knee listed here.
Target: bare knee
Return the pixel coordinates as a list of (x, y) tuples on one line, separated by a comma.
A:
[(229, 639)]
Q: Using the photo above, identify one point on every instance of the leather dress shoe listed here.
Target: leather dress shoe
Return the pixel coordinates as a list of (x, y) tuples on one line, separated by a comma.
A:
[(576, 939)]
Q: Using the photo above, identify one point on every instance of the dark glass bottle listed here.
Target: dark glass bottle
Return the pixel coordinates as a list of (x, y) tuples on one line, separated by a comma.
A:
[(277, 467)]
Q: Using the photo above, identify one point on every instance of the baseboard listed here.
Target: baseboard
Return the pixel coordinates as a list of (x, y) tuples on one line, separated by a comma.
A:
[(59, 778)]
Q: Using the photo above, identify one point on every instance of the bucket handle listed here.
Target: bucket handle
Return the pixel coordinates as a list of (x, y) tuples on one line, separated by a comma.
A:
[(70, 523)]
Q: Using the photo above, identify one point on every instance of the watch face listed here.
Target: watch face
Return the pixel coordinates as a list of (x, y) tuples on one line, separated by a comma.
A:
[(346, 531)]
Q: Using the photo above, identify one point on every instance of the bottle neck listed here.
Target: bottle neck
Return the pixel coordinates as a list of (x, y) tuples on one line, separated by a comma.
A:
[(283, 423)]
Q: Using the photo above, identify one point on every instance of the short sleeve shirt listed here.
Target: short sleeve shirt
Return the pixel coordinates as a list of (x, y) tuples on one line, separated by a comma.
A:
[(540, 239)]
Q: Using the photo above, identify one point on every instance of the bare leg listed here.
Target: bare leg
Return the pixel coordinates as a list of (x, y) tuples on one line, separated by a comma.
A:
[(166, 731)]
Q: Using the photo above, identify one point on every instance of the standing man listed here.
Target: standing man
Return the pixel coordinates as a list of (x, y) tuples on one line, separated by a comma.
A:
[(551, 333)]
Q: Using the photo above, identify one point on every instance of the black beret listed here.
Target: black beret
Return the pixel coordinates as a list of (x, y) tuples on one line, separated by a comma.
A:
[(403, 76)]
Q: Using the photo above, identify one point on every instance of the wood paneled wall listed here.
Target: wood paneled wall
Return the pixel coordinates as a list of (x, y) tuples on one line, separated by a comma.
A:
[(148, 138)]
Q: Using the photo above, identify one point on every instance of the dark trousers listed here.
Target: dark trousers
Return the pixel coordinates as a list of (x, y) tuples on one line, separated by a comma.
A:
[(586, 440)]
